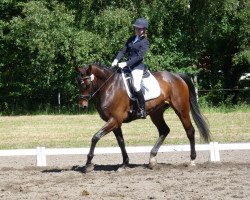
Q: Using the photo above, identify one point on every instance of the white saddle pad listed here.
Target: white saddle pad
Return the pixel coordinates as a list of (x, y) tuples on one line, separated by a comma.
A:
[(150, 87)]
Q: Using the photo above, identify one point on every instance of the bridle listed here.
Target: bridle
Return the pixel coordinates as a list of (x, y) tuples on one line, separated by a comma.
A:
[(91, 84), (89, 80)]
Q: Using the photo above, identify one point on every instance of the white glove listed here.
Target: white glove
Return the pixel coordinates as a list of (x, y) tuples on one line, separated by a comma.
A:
[(114, 63), (122, 65)]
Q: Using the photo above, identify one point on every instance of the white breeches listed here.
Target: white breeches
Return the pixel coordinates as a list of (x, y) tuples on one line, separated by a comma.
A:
[(137, 73)]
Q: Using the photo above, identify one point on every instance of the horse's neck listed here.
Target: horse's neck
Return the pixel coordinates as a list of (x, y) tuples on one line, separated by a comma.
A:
[(102, 74)]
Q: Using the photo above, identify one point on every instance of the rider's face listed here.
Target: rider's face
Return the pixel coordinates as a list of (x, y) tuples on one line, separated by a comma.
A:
[(139, 31)]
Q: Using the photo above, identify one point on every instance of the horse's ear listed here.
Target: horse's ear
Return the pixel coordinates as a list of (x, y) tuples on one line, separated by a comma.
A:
[(89, 70)]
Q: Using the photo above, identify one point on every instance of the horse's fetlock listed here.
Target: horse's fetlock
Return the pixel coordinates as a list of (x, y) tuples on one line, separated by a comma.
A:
[(153, 153), (193, 156), (90, 156), (126, 161)]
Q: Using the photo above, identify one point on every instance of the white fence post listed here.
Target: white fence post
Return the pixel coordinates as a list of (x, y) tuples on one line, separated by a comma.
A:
[(216, 152), (41, 157), (212, 155)]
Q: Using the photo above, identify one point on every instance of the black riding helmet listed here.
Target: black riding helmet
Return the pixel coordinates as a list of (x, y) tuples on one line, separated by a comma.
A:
[(141, 23)]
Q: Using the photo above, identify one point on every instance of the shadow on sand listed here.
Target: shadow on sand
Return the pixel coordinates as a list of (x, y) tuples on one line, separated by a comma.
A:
[(81, 169)]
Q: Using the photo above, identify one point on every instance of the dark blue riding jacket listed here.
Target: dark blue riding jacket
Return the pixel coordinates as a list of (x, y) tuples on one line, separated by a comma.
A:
[(135, 51)]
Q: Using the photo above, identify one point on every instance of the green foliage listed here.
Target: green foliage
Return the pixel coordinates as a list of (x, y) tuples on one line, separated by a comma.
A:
[(224, 36), (216, 96), (114, 28), (168, 35), (39, 51), (42, 41)]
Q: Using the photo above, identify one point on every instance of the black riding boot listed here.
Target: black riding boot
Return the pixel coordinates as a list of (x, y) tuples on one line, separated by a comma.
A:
[(141, 104)]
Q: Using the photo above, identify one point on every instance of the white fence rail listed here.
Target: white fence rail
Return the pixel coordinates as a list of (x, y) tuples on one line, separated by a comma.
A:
[(42, 152)]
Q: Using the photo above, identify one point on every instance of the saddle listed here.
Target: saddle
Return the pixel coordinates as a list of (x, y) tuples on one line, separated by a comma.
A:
[(149, 86)]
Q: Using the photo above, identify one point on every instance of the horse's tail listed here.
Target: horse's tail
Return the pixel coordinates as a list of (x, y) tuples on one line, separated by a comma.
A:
[(195, 110)]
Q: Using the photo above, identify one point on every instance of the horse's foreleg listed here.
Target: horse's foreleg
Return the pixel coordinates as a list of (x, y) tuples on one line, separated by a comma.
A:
[(121, 143), (89, 166), (163, 130), (109, 126)]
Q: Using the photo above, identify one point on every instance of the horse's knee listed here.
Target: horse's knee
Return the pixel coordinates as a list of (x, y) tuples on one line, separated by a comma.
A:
[(96, 138)]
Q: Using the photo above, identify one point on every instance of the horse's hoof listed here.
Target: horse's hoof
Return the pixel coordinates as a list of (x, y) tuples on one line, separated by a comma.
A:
[(192, 163), (152, 163), (89, 168), (120, 169)]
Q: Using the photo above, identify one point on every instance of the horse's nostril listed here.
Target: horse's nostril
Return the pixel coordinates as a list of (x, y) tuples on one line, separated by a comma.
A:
[(83, 106)]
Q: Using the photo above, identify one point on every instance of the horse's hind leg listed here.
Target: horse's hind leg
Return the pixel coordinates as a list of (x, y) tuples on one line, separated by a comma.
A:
[(121, 143), (184, 116), (158, 120), (191, 136)]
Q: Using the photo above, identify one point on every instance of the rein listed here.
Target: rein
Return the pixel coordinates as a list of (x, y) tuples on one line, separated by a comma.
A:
[(91, 95)]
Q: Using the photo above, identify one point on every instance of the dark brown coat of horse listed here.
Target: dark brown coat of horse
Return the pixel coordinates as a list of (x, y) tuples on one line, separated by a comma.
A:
[(113, 105)]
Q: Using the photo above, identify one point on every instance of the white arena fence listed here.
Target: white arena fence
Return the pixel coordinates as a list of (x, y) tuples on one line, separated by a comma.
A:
[(42, 152)]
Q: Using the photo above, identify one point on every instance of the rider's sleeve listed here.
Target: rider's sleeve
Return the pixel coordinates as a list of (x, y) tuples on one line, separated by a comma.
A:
[(140, 55), (123, 51)]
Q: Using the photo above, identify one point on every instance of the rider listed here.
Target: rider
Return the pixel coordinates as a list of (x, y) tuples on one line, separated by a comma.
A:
[(136, 47)]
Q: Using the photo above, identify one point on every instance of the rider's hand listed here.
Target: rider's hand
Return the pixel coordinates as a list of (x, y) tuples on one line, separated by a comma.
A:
[(114, 63), (122, 65)]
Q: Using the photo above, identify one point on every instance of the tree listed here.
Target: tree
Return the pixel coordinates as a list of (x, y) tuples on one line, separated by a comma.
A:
[(42, 41), (41, 48), (221, 39)]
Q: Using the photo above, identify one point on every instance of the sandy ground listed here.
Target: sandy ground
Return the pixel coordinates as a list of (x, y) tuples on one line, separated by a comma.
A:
[(172, 179)]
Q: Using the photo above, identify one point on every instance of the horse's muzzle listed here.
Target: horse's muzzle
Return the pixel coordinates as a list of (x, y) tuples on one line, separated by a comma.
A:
[(83, 101), (83, 104)]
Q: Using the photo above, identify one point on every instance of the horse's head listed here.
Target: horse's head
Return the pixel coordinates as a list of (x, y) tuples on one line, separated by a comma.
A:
[(90, 77), (85, 83)]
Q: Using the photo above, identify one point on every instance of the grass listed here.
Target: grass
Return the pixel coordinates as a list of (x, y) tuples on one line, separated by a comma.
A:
[(77, 130)]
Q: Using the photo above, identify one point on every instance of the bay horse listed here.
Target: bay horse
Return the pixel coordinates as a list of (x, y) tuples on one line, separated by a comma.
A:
[(113, 105)]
